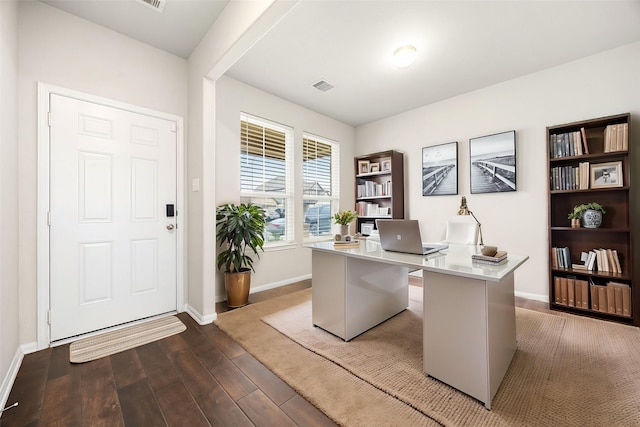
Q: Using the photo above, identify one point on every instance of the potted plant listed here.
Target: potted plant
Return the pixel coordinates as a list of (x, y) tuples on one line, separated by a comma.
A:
[(238, 227), (344, 218), (589, 213)]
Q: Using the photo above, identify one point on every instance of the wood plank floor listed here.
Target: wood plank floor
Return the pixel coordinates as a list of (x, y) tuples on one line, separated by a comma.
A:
[(200, 377)]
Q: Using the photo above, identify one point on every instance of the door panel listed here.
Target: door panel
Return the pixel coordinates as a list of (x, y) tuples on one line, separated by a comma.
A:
[(112, 257)]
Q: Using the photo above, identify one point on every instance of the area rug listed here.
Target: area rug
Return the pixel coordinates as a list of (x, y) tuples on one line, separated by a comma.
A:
[(109, 343), (567, 371)]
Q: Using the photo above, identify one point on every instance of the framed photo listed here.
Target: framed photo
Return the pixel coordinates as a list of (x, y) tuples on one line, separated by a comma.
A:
[(440, 169), (374, 167), (363, 166), (605, 175), (385, 165), (492, 160)]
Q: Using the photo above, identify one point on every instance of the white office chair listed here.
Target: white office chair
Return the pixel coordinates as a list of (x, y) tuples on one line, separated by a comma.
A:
[(462, 230)]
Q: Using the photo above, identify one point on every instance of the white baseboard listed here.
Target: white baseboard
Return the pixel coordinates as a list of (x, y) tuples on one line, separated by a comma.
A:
[(29, 348), (202, 320), (10, 378), (268, 286), (535, 297)]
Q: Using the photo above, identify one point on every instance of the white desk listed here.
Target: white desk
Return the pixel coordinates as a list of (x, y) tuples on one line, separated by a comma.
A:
[(469, 331)]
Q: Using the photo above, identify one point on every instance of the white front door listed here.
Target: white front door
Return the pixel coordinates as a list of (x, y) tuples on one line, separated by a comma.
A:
[(112, 241)]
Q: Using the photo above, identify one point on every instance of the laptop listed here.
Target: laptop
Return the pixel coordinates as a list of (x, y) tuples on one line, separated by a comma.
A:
[(403, 235)]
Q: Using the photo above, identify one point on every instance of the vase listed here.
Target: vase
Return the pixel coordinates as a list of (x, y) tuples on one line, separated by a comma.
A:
[(591, 218), (575, 223), (344, 229)]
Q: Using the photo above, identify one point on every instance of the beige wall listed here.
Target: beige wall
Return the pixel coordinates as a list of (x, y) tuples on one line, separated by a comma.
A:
[(600, 85), (60, 49), (293, 262), (9, 320)]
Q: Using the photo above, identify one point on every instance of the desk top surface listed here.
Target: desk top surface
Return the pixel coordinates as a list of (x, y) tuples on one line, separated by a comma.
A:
[(455, 260)]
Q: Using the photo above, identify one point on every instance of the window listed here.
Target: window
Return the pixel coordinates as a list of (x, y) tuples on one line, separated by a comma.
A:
[(266, 177), (321, 195)]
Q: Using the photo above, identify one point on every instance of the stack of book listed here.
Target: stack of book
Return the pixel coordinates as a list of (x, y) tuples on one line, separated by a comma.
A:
[(499, 258)]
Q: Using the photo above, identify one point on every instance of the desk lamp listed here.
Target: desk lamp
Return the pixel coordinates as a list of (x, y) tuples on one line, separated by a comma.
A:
[(464, 210)]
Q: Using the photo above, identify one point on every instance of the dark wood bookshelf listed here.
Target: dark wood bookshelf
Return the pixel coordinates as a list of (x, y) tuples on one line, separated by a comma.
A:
[(617, 232), (392, 178)]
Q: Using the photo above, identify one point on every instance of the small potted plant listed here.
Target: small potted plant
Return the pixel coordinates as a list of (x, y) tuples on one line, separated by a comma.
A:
[(238, 227), (344, 218), (589, 213)]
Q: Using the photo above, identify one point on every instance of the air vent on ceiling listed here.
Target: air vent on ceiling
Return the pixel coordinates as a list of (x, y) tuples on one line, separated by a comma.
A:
[(157, 5), (323, 85)]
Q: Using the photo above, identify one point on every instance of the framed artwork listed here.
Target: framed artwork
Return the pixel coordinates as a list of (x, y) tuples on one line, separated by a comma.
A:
[(385, 165), (605, 175), (492, 161), (363, 166), (440, 169), (374, 167)]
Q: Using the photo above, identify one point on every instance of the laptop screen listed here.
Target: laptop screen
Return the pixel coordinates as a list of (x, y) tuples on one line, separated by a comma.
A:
[(403, 235)]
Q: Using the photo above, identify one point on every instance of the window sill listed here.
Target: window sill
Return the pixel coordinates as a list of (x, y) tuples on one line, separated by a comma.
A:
[(279, 246)]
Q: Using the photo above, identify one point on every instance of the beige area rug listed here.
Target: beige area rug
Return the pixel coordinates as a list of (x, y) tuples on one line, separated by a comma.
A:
[(568, 370), (109, 343)]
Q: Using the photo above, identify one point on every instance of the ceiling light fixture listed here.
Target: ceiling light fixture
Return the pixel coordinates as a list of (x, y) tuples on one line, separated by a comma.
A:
[(404, 56)]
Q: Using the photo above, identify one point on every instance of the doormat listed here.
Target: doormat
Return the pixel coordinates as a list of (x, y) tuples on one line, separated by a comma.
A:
[(109, 343)]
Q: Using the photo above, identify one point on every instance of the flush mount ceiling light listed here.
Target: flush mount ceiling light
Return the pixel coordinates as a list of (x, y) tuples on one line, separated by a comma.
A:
[(404, 56)]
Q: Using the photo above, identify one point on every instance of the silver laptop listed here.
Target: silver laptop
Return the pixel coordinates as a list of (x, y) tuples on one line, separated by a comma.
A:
[(403, 235)]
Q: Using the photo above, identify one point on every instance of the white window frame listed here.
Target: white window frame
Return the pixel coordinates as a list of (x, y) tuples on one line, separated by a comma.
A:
[(288, 194), (334, 197)]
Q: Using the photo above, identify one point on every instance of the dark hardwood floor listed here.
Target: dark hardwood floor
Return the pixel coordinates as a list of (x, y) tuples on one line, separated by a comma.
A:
[(200, 377)]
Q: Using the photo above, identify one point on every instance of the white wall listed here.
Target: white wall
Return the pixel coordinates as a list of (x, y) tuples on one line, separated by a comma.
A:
[(600, 85), (238, 27), (275, 266), (9, 332), (60, 49)]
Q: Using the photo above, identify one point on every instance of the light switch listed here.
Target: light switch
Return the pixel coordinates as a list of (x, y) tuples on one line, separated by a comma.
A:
[(195, 184)]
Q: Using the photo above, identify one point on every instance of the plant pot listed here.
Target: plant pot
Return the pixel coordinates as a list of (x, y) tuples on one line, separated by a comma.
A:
[(237, 285), (344, 229), (575, 223), (591, 218)]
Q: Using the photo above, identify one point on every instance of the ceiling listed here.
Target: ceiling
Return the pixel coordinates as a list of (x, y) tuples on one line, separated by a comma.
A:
[(462, 45), (178, 29)]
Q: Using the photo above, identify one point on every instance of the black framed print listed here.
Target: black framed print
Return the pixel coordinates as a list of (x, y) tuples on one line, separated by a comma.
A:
[(493, 163), (440, 169)]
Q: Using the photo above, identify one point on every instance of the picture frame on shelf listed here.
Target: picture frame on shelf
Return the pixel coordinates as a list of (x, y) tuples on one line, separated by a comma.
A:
[(492, 161), (606, 175), (363, 166), (385, 165), (374, 167), (440, 169)]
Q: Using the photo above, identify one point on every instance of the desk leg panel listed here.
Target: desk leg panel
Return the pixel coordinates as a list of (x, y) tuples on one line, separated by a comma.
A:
[(328, 292), (375, 292), (501, 329), (455, 333), (351, 296)]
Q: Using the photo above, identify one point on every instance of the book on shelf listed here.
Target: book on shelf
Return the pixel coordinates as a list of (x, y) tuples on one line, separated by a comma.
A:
[(567, 144), (612, 298), (616, 137), (622, 298), (561, 257), (583, 133)]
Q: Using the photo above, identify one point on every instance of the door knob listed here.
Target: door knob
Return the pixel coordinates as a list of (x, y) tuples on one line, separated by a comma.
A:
[(170, 227)]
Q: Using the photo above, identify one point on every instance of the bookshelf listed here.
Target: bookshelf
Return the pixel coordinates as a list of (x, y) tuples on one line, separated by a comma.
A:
[(379, 187), (591, 161)]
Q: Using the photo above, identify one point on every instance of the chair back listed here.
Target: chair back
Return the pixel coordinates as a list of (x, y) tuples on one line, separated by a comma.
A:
[(462, 230)]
